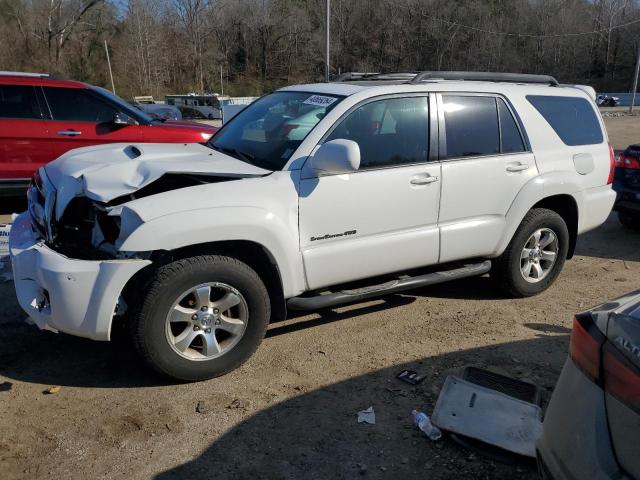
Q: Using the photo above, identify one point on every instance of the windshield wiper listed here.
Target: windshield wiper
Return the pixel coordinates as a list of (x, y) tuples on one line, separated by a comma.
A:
[(247, 157)]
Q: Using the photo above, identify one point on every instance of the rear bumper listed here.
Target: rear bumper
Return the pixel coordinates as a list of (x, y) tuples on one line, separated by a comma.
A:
[(596, 207), (575, 441), (78, 297), (628, 194)]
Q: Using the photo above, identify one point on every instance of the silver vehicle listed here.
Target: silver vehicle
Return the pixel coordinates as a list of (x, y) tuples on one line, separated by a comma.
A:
[(592, 423)]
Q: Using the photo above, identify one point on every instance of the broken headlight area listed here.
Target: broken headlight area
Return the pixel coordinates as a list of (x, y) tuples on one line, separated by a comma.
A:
[(93, 230), (86, 231)]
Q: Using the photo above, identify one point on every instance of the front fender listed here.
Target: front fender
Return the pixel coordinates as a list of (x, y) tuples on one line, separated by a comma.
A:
[(212, 224), (537, 189)]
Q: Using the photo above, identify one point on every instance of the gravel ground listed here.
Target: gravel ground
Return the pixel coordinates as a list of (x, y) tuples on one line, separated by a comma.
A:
[(290, 412)]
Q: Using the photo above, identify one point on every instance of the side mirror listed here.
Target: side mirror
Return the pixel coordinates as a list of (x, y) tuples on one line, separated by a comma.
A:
[(122, 119), (334, 157)]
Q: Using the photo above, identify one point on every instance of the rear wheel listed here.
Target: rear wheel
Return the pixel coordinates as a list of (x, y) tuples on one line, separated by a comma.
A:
[(201, 317), (535, 256)]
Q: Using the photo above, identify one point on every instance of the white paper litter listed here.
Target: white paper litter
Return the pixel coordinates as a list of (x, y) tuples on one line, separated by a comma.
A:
[(367, 416), (4, 240)]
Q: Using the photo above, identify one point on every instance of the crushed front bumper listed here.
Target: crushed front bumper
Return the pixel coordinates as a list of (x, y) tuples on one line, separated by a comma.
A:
[(78, 297)]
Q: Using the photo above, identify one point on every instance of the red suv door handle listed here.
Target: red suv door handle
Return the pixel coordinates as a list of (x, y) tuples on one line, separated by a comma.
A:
[(69, 133)]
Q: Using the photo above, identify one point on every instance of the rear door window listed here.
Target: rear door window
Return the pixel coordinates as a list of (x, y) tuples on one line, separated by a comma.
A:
[(572, 118), (19, 101), (77, 105), (510, 137), (471, 124)]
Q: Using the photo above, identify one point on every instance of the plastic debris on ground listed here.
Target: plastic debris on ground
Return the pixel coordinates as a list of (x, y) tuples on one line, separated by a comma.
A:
[(367, 416), (53, 390), (422, 421), (488, 415), (410, 376)]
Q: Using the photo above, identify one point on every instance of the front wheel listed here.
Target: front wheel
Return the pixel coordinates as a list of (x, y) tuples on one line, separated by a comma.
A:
[(535, 256), (201, 317)]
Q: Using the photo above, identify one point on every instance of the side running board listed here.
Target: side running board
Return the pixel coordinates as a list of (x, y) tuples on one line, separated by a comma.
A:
[(405, 283)]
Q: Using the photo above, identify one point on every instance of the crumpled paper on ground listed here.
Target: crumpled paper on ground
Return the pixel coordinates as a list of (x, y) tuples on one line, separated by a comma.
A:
[(367, 416)]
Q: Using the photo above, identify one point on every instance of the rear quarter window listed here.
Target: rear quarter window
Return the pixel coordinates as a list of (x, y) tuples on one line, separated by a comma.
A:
[(572, 118)]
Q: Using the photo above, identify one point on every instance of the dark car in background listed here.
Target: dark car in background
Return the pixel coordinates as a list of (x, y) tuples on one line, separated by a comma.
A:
[(627, 185), (591, 426), (42, 118)]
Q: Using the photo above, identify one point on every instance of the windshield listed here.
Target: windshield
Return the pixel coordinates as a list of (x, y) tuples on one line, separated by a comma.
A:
[(268, 131), (126, 108)]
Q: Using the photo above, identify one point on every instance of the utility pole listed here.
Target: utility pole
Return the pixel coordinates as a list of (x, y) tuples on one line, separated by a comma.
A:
[(326, 37), (635, 82), (221, 84), (106, 49)]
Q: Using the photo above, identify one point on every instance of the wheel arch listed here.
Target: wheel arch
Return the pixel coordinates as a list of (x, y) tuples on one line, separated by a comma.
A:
[(252, 253), (555, 191), (567, 207)]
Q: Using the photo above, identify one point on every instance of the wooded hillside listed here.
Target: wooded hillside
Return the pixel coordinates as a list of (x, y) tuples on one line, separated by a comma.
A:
[(180, 46)]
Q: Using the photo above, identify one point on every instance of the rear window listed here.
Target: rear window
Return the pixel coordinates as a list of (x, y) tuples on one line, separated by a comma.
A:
[(572, 118)]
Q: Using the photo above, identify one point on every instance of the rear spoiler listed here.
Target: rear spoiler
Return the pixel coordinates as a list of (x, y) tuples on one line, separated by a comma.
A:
[(585, 88)]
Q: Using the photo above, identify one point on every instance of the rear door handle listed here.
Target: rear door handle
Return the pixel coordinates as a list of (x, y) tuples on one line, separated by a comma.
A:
[(517, 167), (69, 133), (423, 179)]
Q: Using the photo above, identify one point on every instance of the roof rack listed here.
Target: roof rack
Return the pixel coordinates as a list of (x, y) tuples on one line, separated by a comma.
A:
[(374, 76), (23, 74), (419, 77), (486, 77)]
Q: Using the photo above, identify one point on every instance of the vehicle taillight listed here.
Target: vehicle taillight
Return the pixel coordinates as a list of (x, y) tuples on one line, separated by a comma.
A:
[(584, 348), (612, 165), (621, 377), (631, 163)]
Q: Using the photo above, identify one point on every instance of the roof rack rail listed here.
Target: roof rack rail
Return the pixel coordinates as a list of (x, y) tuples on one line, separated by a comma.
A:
[(486, 77), (24, 74), (374, 76)]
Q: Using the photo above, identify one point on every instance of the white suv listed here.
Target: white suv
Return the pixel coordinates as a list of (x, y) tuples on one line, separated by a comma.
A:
[(312, 196)]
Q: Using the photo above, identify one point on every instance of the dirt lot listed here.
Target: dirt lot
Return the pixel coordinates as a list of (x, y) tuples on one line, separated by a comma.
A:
[(290, 412)]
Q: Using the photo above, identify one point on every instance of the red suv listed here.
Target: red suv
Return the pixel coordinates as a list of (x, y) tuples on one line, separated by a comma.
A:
[(41, 118)]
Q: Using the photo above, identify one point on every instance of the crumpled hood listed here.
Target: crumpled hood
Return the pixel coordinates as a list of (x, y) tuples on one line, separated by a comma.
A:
[(105, 172)]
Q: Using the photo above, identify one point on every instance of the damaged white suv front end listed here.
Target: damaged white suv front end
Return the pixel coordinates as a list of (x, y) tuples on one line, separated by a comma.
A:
[(66, 252)]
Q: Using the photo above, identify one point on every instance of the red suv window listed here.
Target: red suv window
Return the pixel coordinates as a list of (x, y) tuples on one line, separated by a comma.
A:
[(18, 101), (77, 105)]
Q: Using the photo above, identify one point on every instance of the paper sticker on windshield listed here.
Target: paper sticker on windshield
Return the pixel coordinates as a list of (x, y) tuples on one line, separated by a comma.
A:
[(320, 100)]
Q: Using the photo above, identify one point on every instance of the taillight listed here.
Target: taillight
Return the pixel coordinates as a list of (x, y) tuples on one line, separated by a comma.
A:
[(630, 163), (584, 348), (621, 377), (612, 165)]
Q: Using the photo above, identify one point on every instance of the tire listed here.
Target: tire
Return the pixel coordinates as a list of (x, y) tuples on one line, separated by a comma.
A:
[(629, 221), (172, 290), (507, 269)]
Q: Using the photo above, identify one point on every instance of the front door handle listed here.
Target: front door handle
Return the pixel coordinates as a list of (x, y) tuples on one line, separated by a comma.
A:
[(423, 179), (69, 133), (517, 167)]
